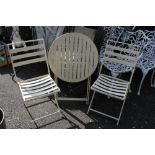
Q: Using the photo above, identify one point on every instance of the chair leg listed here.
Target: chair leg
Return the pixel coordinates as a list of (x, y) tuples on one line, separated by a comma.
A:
[(30, 115), (143, 77), (14, 78), (88, 90), (56, 81), (118, 120), (100, 69), (121, 112), (130, 91), (56, 95), (91, 102), (152, 81), (56, 102)]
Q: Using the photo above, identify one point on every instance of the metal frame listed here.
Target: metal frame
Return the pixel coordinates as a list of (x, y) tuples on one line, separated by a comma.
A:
[(127, 56), (27, 85), (152, 79), (74, 98), (151, 37)]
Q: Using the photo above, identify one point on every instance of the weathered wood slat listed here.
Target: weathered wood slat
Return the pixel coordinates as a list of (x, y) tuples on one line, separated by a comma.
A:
[(83, 64), (62, 58), (91, 56), (71, 57), (67, 52), (87, 58), (75, 51), (80, 46)]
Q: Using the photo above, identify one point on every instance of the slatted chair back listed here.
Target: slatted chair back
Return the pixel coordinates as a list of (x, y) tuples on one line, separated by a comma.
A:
[(73, 57), (122, 53), (110, 33), (33, 52)]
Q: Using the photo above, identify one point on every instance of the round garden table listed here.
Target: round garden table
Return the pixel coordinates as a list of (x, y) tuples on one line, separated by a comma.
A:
[(73, 57)]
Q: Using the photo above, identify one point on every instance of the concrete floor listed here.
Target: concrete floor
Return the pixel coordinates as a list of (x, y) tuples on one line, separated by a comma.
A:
[(139, 111)]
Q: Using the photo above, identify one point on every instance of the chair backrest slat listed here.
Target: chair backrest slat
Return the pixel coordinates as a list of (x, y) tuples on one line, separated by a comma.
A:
[(121, 53), (121, 56), (129, 51), (114, 60), (27, 55), (27, 48), (26, 62)]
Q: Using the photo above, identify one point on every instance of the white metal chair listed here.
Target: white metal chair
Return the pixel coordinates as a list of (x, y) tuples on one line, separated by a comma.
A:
[(151, 36), (124, 54), (37, 87), (146, 62), (73, 57)]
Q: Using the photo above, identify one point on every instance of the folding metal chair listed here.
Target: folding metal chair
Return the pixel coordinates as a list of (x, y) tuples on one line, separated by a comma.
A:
[(124, 54), (36, 87)]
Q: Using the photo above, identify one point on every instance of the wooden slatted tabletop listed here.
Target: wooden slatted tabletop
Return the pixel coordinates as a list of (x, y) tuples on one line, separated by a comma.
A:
[(73, 57)]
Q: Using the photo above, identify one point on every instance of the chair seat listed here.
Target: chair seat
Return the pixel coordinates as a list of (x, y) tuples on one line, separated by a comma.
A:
[(111, 86), (38, 87)]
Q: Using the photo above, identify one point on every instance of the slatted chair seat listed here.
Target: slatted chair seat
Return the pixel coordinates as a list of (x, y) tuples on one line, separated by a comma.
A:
[(111, 86), (36, 87)]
